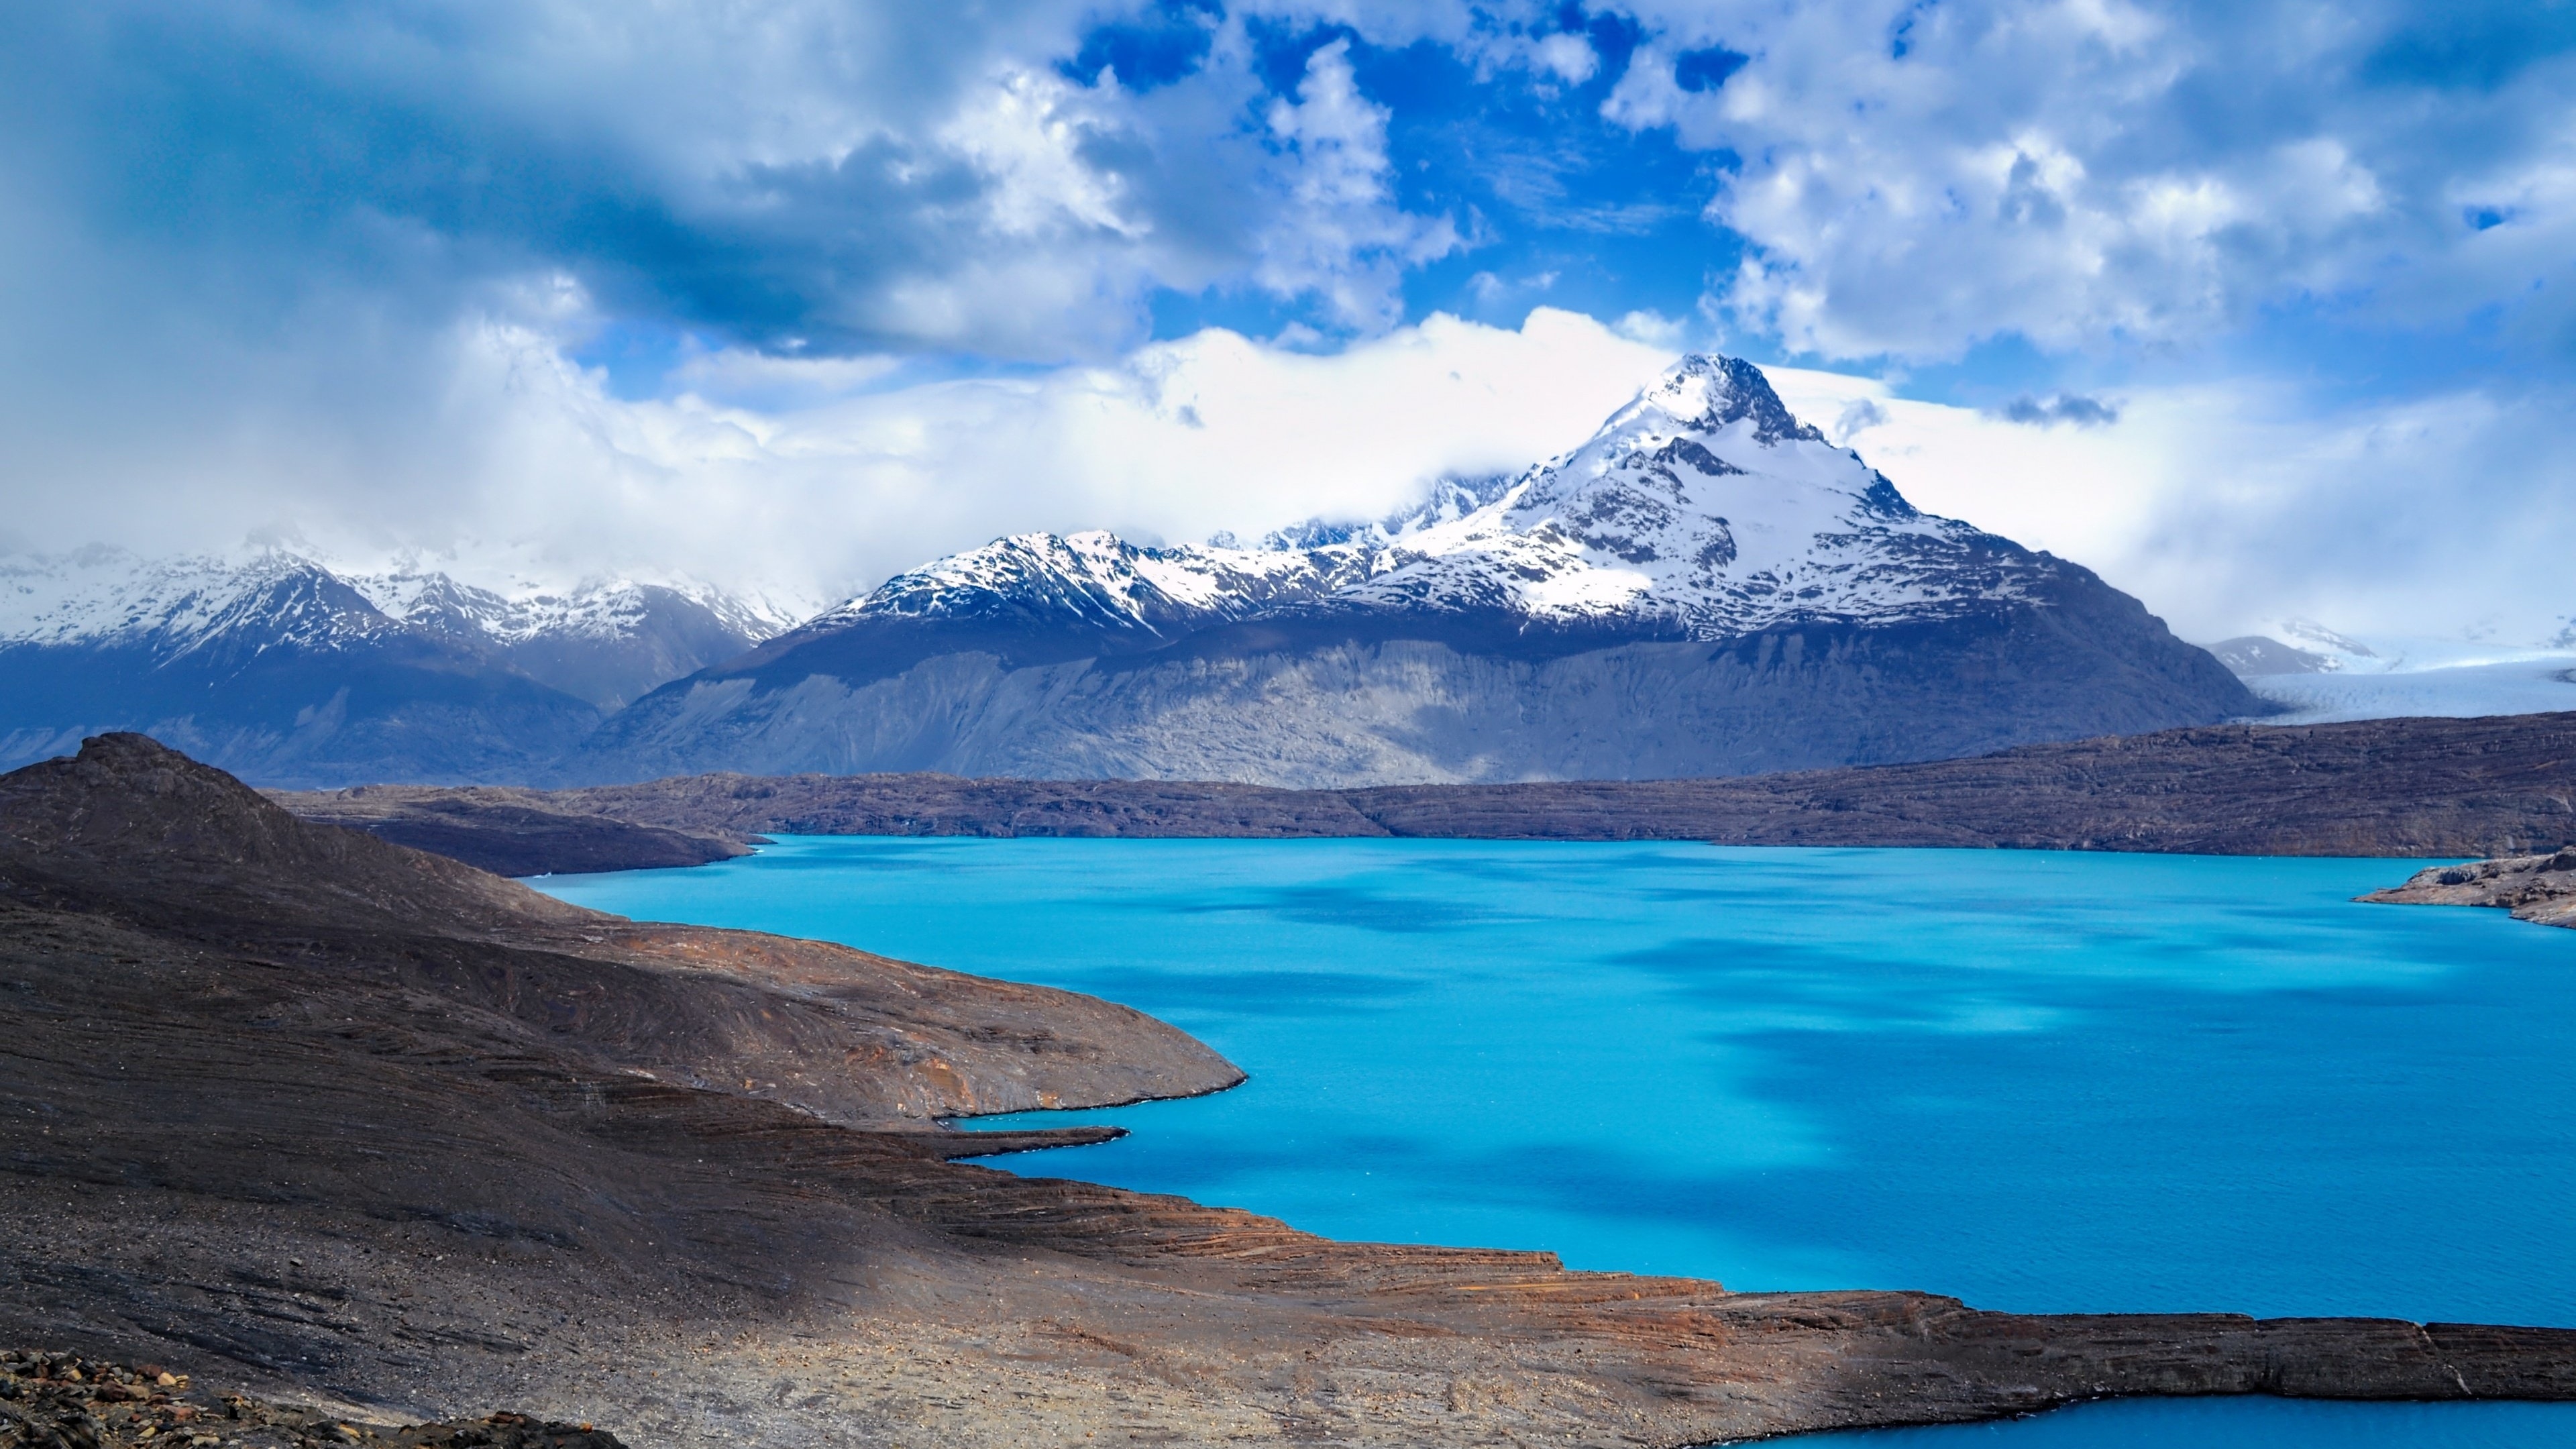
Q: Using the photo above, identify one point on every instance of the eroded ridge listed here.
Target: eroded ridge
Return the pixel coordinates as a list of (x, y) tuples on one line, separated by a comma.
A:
[(296, 1111)]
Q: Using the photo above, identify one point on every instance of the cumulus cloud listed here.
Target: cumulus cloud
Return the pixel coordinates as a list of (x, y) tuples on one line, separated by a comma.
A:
[(1916, 178), (797, 175)]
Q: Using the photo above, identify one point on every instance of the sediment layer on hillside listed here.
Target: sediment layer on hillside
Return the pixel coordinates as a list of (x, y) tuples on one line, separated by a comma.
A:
[(292, 1109), (2422, 787)]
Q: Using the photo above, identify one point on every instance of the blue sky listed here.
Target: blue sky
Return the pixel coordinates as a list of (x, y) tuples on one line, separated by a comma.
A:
[(768, 288)]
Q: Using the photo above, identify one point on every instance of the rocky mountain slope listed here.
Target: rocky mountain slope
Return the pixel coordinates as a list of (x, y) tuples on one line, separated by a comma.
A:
[(281, 668), (2421, 787), (299, 1112), (1706, 587)]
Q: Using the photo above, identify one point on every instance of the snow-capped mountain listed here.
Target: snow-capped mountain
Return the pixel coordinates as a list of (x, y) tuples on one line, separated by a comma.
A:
[(173, 608), (604, 640), (1701, 510), (277, 666), (1704, 586)]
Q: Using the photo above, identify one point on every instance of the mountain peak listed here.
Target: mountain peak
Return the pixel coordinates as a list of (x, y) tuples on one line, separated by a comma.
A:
[(1702, 508), (1704, 393)]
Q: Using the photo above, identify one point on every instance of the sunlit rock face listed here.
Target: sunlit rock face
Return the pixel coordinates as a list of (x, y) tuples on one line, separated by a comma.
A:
[(1704, 587)]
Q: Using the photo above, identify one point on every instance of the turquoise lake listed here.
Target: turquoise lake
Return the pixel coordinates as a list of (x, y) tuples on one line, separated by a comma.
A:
[(2037, 1081)]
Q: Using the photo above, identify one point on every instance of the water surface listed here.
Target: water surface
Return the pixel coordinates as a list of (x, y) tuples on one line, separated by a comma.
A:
[(2043, 1082)]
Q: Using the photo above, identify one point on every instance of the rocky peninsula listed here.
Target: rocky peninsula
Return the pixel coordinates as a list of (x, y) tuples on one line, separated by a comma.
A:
[(2536, 888), (301, 1113), (2421, 787)]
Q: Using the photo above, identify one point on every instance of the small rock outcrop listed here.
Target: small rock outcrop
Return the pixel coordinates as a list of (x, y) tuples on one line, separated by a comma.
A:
[(65, 1401), (2536, 888)]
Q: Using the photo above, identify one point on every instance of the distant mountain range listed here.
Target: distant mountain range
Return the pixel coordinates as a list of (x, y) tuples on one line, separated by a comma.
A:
[(289, 673), (1705, 587)]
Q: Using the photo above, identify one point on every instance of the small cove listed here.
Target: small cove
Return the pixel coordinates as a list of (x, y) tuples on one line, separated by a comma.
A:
[(2038, 1082)]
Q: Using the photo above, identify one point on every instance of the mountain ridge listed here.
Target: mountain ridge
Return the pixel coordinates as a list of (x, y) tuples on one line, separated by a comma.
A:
[(1704, 587), (276, 665)]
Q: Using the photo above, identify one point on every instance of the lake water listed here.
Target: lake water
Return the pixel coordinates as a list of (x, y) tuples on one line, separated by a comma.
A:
[(2041, 1082)]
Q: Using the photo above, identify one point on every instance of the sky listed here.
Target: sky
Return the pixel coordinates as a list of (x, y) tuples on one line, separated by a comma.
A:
[(2261, 309)]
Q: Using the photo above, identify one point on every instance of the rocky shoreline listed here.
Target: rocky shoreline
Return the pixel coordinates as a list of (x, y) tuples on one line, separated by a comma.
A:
[(305, 1114), (2420, 787), (2536, 888)]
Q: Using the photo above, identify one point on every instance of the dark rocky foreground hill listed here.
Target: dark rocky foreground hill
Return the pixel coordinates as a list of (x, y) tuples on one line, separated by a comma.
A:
[(287, 1107), (2421, 787)]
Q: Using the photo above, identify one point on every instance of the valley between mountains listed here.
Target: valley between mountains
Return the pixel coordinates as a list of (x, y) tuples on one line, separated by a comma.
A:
[(303, 1112)]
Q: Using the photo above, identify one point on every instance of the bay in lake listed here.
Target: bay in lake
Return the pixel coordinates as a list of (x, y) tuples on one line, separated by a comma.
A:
[(2040, 1082)]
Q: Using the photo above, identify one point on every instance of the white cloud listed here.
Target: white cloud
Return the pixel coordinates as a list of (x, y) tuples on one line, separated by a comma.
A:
[(800, 478), (1916, 178), (1570, 58), (2228, 506), (850, 176), (2223, 505), (1351, 242)]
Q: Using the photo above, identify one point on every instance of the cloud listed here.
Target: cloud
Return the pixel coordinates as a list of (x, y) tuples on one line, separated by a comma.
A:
[(1857, 417), (2082, 411), (2222, 505), (804, 478), (800, 176), (1914, 179), (1352, 244), (2227, 505)]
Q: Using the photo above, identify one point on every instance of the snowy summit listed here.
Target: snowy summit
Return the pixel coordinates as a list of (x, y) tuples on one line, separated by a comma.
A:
[(1700, 510)]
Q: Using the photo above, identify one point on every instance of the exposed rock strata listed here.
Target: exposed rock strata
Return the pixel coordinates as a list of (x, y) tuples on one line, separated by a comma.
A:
[(2537, 888), (2446, 787), (287, 1107)]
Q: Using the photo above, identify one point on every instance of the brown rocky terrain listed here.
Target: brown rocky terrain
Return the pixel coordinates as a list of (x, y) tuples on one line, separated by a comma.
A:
[(299, 1112), (2423, 787), (512, 831), (2538, 888), (63, 1401)]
